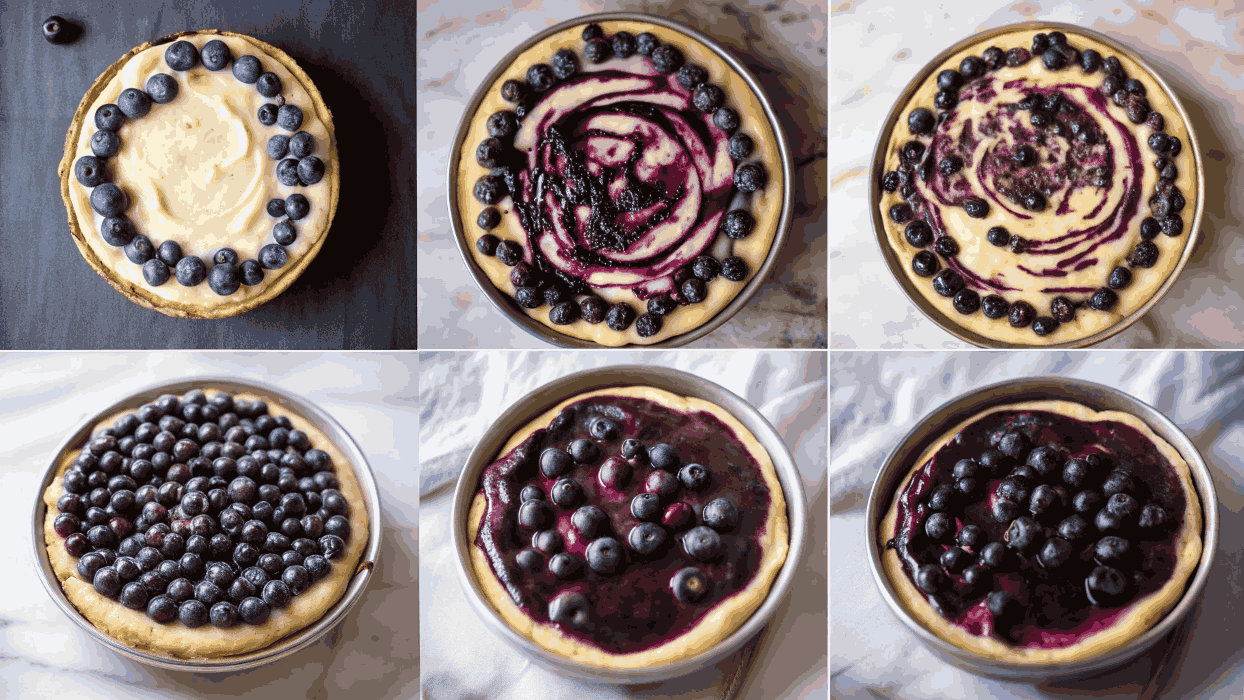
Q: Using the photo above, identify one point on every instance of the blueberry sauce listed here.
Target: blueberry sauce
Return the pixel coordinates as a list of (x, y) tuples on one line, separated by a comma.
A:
[(634, 608), (1053, 610)]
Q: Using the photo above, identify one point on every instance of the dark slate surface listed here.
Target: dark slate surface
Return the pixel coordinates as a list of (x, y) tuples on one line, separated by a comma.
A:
[(359, 291)]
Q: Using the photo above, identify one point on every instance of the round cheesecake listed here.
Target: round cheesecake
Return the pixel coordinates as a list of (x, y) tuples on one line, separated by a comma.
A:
[(620, 182), (200, 174), (211, 555), (628, 528), (1039, 187), (1043, 532)]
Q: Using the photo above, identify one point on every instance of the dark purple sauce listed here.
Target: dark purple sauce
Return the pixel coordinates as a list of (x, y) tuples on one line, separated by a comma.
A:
[(1058, 612), (633, 609)]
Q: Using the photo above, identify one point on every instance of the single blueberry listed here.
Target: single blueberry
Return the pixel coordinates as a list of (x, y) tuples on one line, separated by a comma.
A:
[(310, 170), (181, 55), (252, 272), (565, 63), (109, 117), (624, 44), (224, 279), (268, 85), (108, 200), (134, 103), (289, 117), (190, 271), (297, 206), (278, 146), (224, 256), (139, 250), (287, 173), (740, 146), (284, 233), (216, 55), (301, 145), (273, 256), (604, 555), (247, 69), (105, 144), (117, 230), (162, 88), (620, 317), (90, 171), (267, 114)]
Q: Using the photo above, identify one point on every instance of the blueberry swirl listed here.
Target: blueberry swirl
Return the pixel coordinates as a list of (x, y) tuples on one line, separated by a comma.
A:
[(1031, 182)]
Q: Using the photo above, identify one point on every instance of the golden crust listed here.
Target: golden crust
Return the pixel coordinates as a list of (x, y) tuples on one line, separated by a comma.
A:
[(175, 640), (1142, 614), (136, 293), (970, 233), (766, 204), (719, 623)]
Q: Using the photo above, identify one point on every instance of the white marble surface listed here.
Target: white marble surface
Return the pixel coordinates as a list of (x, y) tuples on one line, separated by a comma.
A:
[(460, 394), (782, 43), (878, 396), (373, 654), (879, 46)]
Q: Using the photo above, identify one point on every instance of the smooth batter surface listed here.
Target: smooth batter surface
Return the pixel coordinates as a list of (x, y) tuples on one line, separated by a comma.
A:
[(196, 171), (136, 629), (717, 624), (765, 206), (1138, 615), (998, 264)]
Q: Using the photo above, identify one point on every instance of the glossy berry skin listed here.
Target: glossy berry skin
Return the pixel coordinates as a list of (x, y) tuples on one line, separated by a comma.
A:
[(570, 609), (605, 555), (646, 538), (703, 543), (565, 565), (930, 578), (690, 585), (720, 514)]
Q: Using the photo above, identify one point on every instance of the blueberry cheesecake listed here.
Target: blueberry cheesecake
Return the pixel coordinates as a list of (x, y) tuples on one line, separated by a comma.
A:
[(1043, 532), (204, 525), (628, 528), (620, 182), (200, 174), (1039, 187)]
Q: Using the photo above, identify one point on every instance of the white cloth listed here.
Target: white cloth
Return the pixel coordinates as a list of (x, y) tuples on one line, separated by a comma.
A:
[(460, 394), (373, 654), (878, 397), (880, 46)]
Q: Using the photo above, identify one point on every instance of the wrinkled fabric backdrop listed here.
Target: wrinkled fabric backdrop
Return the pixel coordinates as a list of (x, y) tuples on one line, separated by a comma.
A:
[(878, 397), (373, 653), (460, 394)]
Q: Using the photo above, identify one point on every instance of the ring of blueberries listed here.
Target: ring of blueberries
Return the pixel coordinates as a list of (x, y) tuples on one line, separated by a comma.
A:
[(1048, 111), (296, 166), (1078, 520), (202, 509), (539, 286)]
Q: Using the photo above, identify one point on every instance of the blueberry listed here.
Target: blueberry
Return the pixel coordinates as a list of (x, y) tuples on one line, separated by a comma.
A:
[(297, 206), (918, 233), (690, 585), (251, 272), (1023, 533), (646, 506), (970, 536), (726, 119), (665, 58), (1122, 506), (912, 152), (750, 177), (648, 325), (1004, 605), (1145, 254), (1054, 60), (597, 50), (691, 76), (646, 538), (920, 121), (310, 170), (215, 55), (930, 578), (565, 565), (489, 189), (740, 146), (942, 498), (509, 253), (646, 43), (694, 477), (947, 283), (193, 614), (694, 290), (57, 30), (604, 555), (268, 84), (620, 317), (273, 256), (946, 99), (890, 181), (707, 97), (284, 233), (900, 213), (117, 230), (1152, 517), (946, 247), (134, 103), (623, 44), (1022, 314), (501, 125), (950, 165), (105, 144), (955, 560), (107, 582), (289, 117), (287, 172), (109, 117), (940, 527), (570, 609), (1017, 57), (734, 269), (107, 199), (224, 279), (614, 473), (967, 301), (925, 263), (247, 69), (976, 208), (276, 594), (139, 250), (162, 88), (738, 224), (267, 114)]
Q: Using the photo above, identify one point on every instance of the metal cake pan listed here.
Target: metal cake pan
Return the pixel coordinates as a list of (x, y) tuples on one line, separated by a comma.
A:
[(1097, 397), (545, 397), (506, 304), (877, 169), (281, 648)]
